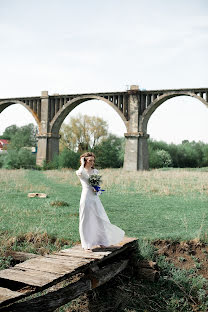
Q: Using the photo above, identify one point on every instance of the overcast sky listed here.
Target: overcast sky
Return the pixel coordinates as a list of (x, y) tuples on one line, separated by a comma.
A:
[(68, 46)]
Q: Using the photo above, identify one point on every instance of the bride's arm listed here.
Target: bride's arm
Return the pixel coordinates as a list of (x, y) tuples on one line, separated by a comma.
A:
[(81, 168)]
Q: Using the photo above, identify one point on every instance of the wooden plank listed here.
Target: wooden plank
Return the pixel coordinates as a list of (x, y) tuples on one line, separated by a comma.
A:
[(68, 261), (6, 294), (127, 240), (53, 300), (50, 265), (28, 277), (84, 254), (99, 253), (62, 257)]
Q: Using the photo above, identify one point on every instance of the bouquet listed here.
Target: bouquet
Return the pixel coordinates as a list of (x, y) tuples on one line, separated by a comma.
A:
[(94, 181)]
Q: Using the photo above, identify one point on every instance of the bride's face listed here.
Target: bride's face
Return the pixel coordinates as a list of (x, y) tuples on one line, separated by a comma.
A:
[(90, 161)]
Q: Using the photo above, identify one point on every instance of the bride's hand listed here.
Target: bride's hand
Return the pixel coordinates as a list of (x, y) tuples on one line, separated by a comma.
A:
[(82, 161)]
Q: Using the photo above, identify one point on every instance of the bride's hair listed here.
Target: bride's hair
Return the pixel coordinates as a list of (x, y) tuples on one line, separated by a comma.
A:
[(87, 154)]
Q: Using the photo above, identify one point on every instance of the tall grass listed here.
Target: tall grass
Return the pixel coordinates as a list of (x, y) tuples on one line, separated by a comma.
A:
[(160, 182)]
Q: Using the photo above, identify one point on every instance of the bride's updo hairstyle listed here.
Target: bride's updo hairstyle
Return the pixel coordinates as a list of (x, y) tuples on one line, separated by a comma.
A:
[(87, 154)]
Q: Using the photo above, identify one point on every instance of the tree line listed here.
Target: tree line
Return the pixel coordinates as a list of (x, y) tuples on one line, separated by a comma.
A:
[(185, 155), (85, 133)]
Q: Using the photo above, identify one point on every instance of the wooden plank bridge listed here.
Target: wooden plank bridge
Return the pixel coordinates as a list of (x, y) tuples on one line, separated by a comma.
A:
[(40, 273)]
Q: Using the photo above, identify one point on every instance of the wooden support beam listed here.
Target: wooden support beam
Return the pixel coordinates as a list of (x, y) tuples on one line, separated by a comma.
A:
[(148, 270), (106, 274)]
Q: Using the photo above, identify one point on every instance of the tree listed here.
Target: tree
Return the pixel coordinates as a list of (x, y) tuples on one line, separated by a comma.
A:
[(17, 156), (187, 154), (9, 132), (110, 152), (19, 137), (83, 133)]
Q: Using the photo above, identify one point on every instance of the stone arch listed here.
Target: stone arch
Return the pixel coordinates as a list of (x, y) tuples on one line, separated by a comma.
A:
[(58, 119), (6, 103), (144, 118)]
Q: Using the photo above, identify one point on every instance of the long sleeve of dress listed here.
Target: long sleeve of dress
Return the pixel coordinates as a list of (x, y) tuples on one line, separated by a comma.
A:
[(80, 170)]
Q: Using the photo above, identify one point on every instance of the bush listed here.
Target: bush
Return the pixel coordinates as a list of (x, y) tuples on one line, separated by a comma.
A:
[(19, 159), (26, 158), (2, 160), (205, 155), (67, 159), (164, 157), (11, 160), (159, 159)]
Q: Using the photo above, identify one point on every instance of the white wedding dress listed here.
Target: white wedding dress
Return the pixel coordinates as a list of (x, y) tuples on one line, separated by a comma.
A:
[(94, 225)]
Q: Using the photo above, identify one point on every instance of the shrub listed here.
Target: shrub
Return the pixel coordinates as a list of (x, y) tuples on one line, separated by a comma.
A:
[(15, 159), (11, 160), (68, 159), (159, 159), (2, 160), (26, 158), (164, 158)]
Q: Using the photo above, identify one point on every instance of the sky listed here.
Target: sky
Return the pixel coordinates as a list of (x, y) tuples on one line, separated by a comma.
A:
[(67, 47)]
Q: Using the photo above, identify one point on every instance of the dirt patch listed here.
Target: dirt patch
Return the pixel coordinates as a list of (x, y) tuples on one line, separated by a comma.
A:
[(186, 255)]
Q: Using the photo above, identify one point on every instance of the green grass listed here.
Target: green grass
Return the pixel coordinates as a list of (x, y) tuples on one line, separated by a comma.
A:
[(146, 205), (20, 214)]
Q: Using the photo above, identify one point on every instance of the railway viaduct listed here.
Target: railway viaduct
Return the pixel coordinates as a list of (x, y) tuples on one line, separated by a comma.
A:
[(134, 106)]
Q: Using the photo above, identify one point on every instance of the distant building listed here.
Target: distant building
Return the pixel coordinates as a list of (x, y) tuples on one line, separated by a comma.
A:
[(3, 144)]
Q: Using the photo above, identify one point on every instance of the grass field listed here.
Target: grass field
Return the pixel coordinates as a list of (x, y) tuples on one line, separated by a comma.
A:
[(156, 204)]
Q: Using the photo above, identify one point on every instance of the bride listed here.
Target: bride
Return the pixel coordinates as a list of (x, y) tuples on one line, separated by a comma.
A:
[(94, 225)]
